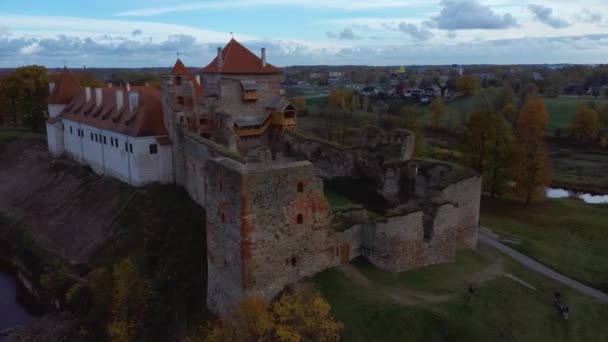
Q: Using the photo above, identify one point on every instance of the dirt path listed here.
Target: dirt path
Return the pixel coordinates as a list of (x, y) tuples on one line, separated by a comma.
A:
[(491, 240)]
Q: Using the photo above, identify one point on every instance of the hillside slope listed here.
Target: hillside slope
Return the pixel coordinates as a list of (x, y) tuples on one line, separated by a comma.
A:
[(66, 207)]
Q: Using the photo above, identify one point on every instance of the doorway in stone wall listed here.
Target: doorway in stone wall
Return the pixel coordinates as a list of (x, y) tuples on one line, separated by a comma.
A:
[(344, 254)]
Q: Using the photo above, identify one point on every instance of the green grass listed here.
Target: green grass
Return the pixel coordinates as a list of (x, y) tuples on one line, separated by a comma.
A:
[(337, 200), (567, 235), (563, 109), (500, 310)]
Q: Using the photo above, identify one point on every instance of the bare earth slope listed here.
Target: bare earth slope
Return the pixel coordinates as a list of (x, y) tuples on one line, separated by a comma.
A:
[(67, 208)]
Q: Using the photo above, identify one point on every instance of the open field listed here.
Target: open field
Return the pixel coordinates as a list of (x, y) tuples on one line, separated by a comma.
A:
[(566, 235), (579, 167), (432, 304), (563, 109)]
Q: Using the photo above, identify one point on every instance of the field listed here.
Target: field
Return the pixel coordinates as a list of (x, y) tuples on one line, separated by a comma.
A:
[(567, 235), (433, 304), (562, 110)]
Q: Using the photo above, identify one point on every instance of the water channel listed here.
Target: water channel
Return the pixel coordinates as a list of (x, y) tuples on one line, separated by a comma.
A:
[(12, 313)]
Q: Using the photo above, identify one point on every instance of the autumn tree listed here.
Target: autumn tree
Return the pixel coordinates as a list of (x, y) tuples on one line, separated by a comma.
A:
[(24, 93), (438, 112), (533, 119), (131, 302), (602, 116), (530, 167), (299, 315), (487, 147), (585, 124), (530, 170), (468, 84)]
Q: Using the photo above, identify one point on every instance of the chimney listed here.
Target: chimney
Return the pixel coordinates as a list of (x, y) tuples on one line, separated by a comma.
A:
[(198, 79), (219, 57), (51, 87), (264, 57), (119, 99), (87, 94), (133, 100), (98, 97)]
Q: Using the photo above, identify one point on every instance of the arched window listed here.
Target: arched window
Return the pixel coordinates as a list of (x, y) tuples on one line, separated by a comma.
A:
[(300, 219), (300, 187)]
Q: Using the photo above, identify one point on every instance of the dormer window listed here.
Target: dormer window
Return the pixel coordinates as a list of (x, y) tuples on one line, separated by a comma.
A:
[(250, 90)]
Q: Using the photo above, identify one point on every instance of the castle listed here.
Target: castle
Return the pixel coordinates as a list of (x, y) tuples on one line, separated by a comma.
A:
[(228, 136)]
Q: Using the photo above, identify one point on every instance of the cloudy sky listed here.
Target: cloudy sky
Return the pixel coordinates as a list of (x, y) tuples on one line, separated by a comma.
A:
[(132, 33)]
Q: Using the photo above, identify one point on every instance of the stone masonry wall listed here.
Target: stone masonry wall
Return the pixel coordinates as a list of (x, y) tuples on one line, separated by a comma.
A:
[(286, 228), (466, 195), (225, 249)]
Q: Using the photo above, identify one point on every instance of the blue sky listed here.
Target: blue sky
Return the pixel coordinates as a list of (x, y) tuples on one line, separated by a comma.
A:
[(136, 33)]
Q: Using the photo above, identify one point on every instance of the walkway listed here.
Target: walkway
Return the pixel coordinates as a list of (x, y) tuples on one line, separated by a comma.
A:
[(490, 239)]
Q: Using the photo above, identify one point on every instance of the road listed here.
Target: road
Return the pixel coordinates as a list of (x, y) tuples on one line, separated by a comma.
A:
[(485, 236)]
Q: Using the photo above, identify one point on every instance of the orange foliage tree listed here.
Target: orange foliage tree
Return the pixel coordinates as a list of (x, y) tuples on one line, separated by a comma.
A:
[(530, 167)]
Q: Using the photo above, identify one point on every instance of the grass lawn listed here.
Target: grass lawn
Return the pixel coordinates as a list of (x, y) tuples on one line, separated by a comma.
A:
[(432, 304), (567, 235), (563, 109)]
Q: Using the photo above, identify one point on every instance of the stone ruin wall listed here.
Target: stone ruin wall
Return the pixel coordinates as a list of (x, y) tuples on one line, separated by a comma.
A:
[(225, 250), (286, 228), (256, 246)]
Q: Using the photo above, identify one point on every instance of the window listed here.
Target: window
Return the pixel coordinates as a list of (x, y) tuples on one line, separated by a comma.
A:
[(153, 149), (96, 137), (105, 142), (180, 100), (131, 148), (293, 261), (91, 136), (178, 80), (71, 130), (300, 218), (126, 146), (223, 217), (300, 187)]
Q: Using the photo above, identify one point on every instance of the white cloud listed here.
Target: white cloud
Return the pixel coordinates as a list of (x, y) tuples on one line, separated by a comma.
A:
[(545, 15), (348, 5), (470, 14)]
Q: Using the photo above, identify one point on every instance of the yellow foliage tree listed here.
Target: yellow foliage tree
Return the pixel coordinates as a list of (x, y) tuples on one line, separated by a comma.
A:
[(131, 298), (438, 112), (585, 124), (468, 84), (298, 316)]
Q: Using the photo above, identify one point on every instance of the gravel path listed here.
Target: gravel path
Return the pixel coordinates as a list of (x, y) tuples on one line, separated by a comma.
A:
[(491, 240)]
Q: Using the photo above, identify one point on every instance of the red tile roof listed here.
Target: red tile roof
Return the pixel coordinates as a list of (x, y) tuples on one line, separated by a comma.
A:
[(180, 69), (66, 90), (237, 59), (146, 119)]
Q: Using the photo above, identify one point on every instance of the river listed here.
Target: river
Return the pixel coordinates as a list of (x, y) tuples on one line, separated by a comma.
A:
[(585, 197), (11, 312)]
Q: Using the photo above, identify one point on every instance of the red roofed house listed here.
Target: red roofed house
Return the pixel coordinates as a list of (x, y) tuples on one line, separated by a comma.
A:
[(241, 104), (117, 131)]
